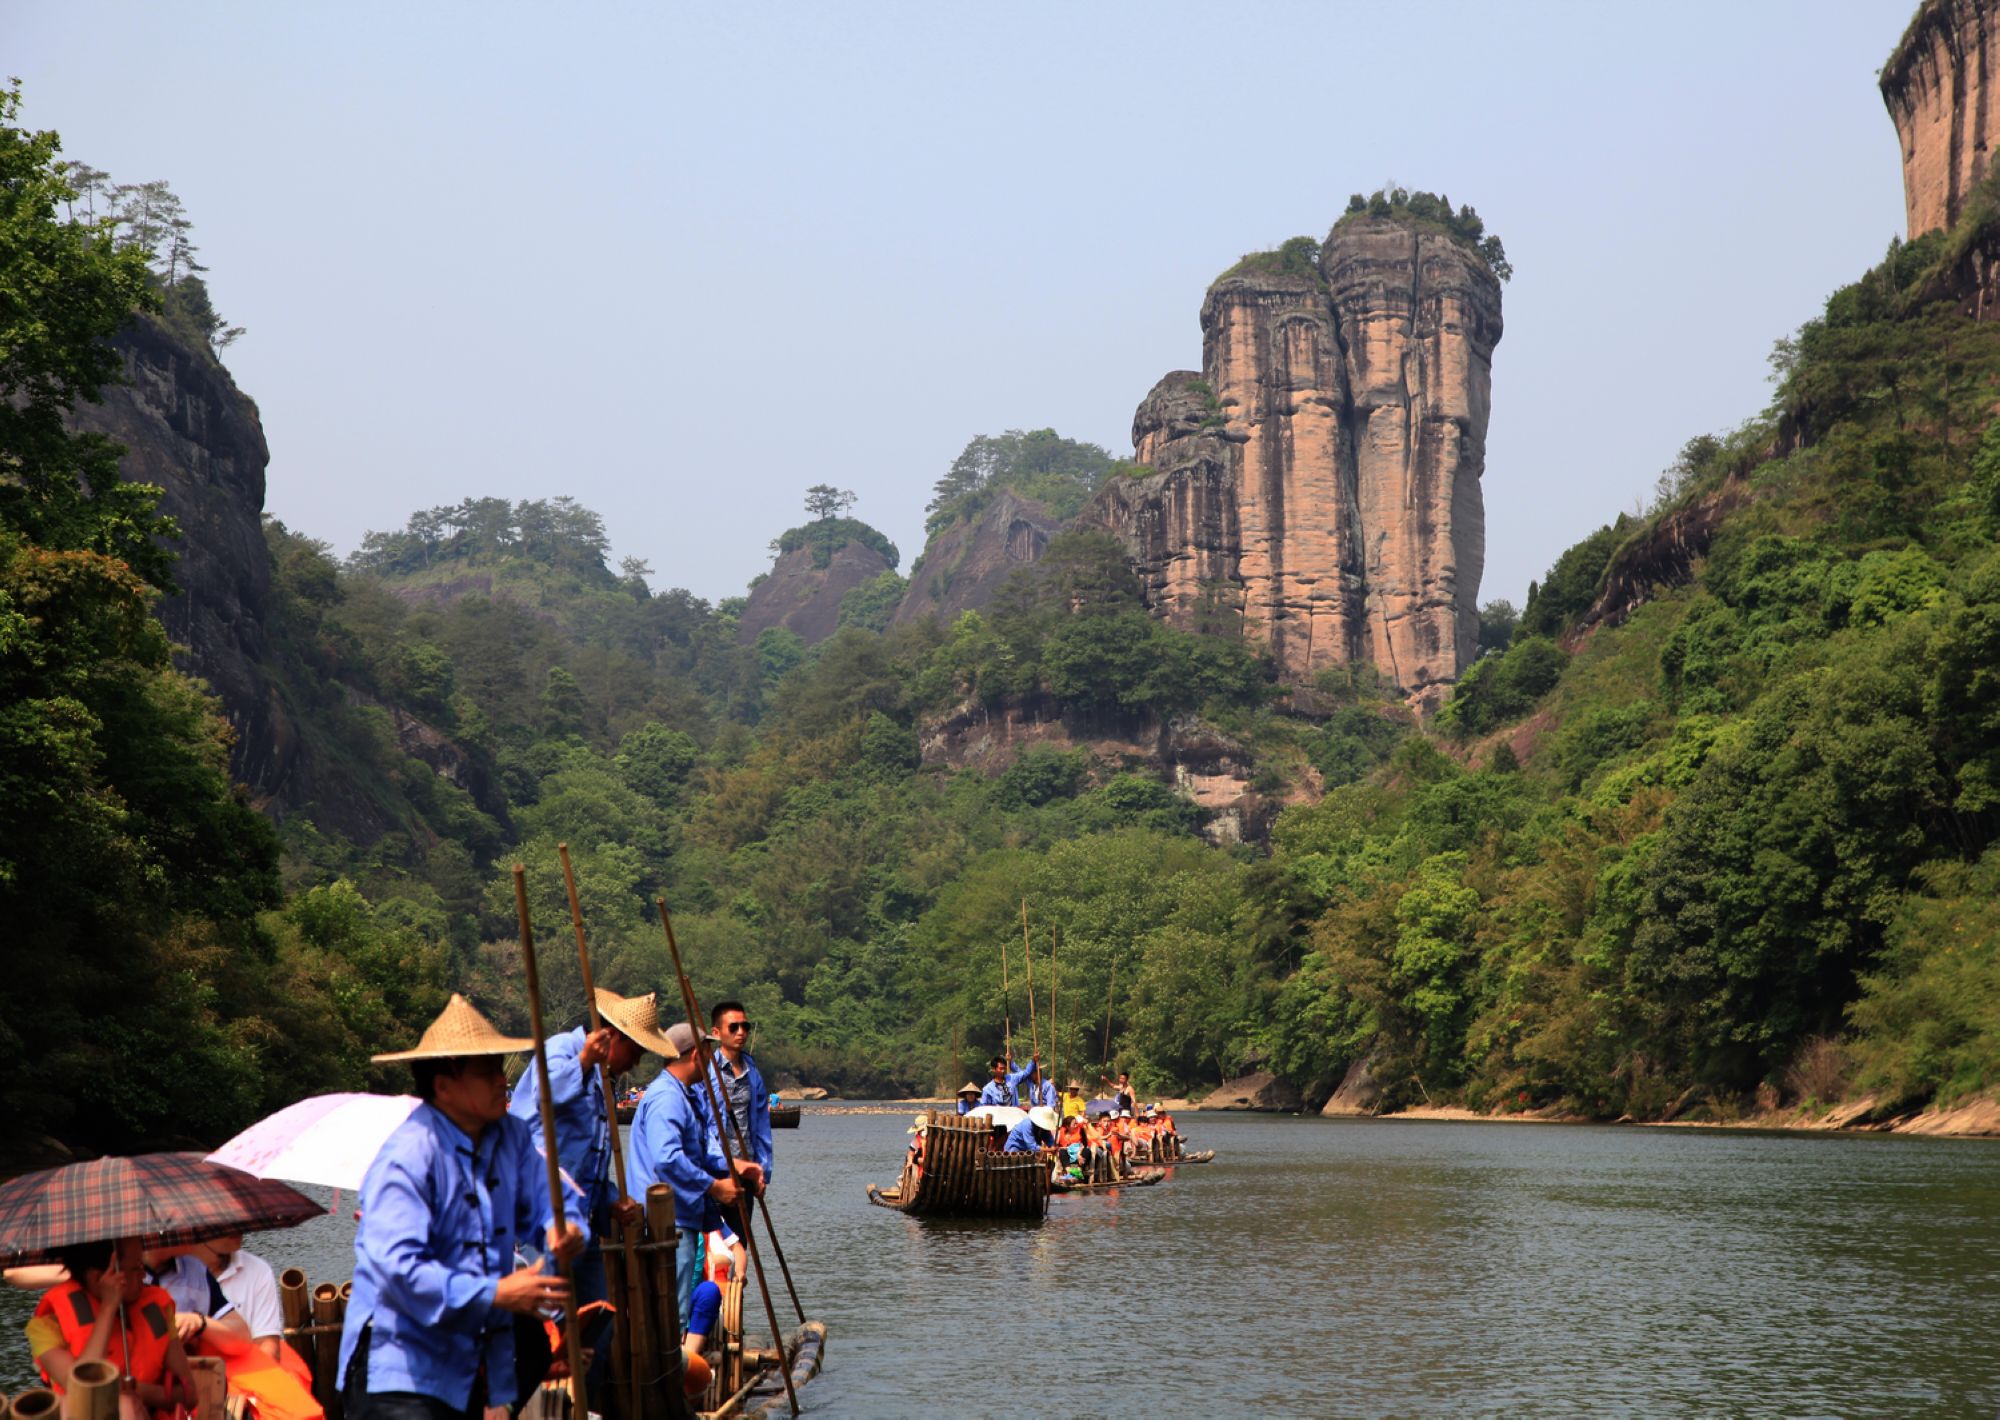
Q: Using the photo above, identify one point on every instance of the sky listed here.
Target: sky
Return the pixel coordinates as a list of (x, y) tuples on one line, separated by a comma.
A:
[(682, 261)]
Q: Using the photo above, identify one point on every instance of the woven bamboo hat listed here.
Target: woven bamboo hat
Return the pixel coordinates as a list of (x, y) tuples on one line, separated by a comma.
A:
[(458, 1030), (968, 1088), (637, 1017)]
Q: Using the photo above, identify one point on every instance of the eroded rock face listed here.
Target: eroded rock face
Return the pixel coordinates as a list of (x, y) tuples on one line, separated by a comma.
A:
[(806, 599), (965, 564), (189, 430), (1318, 481), (1939, 86), (1258, 1091)]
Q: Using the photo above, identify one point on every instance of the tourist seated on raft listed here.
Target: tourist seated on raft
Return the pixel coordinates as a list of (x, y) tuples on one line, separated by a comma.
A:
[(1004, 1088), (1036, 1132), (703, 1309), (968, 1097), (108, 1312), (918, 1131), (1073, 1102), (226, 1306)]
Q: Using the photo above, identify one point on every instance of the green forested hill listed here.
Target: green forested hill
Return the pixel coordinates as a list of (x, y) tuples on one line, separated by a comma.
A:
[(1714, 815)]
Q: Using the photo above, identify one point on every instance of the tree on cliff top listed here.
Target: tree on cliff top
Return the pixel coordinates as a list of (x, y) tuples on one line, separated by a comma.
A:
[(1038, 463), (1434, 212)]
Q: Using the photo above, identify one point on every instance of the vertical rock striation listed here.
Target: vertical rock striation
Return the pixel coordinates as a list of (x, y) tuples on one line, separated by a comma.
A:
[(1939, 87), (1318, 480), (187, 429)]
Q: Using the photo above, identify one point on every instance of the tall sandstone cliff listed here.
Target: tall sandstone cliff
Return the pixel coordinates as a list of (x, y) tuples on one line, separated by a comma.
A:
[(965, 564), (187, 429), (1319, 480), (1939, 86)]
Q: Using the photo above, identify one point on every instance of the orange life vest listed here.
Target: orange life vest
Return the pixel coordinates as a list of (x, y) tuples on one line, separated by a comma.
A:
[(278, 1390), (149, 1327)]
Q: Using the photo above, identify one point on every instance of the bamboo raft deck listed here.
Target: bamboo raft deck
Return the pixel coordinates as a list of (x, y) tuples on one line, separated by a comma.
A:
[(1143, 1178), (963, 1175)]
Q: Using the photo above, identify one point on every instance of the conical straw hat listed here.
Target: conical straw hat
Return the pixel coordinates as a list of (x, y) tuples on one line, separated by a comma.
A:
[(458, 1030), (637, 1017), (968, 1088)]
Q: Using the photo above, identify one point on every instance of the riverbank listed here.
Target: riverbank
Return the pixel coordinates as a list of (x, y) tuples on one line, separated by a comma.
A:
[(1975, 1118)]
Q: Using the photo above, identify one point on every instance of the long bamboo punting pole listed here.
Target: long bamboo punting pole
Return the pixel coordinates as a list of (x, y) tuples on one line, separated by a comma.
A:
[(1027, 951), (628, 1329), (572, 1333), (1006, 1009), (1055, 1049), (1108, 992), (722, 1136)]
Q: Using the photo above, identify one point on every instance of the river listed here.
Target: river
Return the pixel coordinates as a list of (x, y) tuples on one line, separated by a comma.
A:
[(1395, 1268)]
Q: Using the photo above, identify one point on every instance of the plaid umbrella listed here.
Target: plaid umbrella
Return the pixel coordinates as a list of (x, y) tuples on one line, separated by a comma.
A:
[(161, 1199)]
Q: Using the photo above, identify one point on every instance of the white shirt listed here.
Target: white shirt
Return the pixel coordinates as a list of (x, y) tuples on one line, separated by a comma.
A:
[(186, 1281), (250, 1284)]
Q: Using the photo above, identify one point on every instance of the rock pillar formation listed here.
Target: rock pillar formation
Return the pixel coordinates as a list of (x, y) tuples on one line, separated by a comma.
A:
[(1939, 86), (1318, 481)]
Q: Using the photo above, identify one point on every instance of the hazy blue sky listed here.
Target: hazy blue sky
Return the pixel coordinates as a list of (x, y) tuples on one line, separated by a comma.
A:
[(682, 261)]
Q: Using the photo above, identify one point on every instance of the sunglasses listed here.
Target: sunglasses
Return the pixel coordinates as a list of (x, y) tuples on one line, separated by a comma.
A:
[(743, 1026)]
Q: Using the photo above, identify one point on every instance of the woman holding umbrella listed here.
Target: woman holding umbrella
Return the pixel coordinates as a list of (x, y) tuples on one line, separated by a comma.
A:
[(106, 1312)]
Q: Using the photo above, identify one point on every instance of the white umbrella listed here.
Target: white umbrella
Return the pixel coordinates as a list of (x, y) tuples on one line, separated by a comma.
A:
[(1004, 1116), (328, 1139)]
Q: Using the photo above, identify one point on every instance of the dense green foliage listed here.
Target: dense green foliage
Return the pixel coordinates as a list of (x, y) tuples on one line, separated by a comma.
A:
[(1059, 473), (155, 991)]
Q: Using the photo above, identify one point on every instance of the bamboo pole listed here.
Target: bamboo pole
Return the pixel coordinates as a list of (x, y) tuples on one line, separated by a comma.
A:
[(624, 1328), (295, 1301), (572, 1333), (1028, 953), (669, 1384), (326, 1353), (1006, 1009), (722, 1137), (1108, 992), (93, 1391), (1055, 1050)]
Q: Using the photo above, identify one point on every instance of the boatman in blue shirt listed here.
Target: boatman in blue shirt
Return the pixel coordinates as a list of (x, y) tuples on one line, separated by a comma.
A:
[(1040, 1090), (740, 1085), (430, 1328), (1004, 1088), (674, 1141), (1037, 1131), (583, 1132)]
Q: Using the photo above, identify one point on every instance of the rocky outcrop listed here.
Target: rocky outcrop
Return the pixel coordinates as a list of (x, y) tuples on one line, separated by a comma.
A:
[(187, 429), (1939, 87), (1259, 1091), (805, 598), (1359, 1093), (966, 563), (1318, 482)]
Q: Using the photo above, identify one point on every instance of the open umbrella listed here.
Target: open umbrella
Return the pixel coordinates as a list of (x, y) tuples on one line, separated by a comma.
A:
[(328, 1139), (161, 1199), (1000, 1116)]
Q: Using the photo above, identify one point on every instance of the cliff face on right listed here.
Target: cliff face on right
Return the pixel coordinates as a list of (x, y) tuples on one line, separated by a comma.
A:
[(1939, 86), (1317, 483)]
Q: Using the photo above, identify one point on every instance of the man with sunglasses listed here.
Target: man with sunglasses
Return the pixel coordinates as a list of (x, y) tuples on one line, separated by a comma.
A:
[(740, 1083)]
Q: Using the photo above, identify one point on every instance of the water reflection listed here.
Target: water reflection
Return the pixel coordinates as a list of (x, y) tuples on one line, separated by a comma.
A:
[(1396, 1268)]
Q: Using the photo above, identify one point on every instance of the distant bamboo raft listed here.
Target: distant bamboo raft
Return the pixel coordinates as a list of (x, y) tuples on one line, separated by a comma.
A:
[(964, 1176)]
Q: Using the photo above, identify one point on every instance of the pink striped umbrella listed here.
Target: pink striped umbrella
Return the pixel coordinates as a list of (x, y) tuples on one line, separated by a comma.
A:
[(328, 1139)]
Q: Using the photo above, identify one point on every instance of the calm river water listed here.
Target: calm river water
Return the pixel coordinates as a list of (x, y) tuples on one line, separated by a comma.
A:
[(1396, 1268)]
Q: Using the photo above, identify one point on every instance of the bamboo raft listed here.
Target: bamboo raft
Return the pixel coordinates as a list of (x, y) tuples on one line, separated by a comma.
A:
[(784, 1116), (1143, 1178), (744, 1380), (964, 1175)]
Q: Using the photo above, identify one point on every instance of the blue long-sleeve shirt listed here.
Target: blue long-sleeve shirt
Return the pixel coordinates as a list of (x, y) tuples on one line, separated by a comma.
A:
[(674, 1142), (1009, 1093), (1044, 1093), (1024, 1139), (583, 1136), (440, 1218), (758, 1134)]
